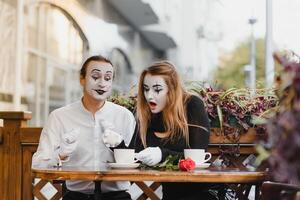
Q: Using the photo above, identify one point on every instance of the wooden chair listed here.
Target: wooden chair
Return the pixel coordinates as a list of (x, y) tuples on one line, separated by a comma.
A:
[(280, 191)]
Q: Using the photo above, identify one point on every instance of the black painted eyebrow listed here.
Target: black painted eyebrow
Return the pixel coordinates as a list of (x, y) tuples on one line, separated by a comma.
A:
[(157, 85), (145, 86), (97, 70)]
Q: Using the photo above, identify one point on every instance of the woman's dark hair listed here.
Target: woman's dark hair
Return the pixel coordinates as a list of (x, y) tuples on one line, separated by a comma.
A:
[(92, 58)]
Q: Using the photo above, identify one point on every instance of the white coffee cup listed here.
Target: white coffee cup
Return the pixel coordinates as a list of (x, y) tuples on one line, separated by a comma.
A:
[(197, 155), (124, 156)]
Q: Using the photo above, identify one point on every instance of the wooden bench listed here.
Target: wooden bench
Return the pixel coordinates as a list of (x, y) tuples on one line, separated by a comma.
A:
[(18, 142)]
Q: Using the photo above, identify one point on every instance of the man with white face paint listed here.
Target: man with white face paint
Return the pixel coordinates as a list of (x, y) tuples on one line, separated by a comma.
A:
[(81, 133), (98, 81)]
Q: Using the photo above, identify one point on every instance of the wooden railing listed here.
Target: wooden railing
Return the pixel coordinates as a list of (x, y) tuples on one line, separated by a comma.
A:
[(18, 142), (14, 175)]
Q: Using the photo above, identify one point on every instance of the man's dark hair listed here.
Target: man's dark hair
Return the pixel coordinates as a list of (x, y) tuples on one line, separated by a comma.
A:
[(92, 58)]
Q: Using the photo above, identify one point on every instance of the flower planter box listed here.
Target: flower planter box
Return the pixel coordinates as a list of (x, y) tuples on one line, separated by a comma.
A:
[(249, 137), (241, 146)]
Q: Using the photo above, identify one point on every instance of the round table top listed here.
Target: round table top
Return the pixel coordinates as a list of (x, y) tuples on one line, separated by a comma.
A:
[(104, 173)]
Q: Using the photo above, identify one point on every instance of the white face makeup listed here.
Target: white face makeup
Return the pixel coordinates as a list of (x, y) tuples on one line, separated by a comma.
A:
[(98, 80), (155, 92)]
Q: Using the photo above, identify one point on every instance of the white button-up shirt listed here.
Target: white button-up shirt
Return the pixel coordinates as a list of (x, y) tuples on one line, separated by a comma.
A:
[(90, 150)]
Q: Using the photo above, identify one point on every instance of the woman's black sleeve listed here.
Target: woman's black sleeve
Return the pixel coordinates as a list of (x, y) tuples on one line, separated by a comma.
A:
[(166, 152), (199, 128), (136, 142)]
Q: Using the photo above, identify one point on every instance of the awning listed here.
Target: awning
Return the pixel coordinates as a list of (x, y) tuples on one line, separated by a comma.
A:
[(136, 12), (159, 40), (142, 17)]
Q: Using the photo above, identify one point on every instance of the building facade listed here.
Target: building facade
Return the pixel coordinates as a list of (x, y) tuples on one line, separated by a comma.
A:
[(44, 43)]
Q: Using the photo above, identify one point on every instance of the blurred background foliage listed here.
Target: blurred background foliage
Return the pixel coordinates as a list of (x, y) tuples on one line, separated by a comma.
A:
[(230, 72)]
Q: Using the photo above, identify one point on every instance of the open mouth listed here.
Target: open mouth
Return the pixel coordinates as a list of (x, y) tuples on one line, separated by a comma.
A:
[(100, 92), (152, 105)]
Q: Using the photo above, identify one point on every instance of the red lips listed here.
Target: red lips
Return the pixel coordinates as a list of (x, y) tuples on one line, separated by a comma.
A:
[(152, 105)]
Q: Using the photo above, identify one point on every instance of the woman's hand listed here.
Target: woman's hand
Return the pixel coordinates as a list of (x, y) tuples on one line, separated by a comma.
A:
[(150, 156)]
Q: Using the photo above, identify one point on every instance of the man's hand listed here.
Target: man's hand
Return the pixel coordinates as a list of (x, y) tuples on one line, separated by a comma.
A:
[(150, 156), (110, 137), (68, 143)]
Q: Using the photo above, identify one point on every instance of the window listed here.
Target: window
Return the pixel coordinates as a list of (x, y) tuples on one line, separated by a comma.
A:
[(124, 77), (55, 48)]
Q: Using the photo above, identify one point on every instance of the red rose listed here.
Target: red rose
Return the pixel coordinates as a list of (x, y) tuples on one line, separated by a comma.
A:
[(186, 164)]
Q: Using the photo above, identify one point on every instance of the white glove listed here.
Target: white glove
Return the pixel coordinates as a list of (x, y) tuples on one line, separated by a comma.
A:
[(150, 156), (110, 138), (68, 143)]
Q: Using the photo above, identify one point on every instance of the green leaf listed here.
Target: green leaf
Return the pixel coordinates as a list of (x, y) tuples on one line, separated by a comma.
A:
[(220, 115), (171, 163)]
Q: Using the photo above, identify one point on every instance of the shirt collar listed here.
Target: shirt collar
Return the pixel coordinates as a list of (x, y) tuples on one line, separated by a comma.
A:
[(98, 111)]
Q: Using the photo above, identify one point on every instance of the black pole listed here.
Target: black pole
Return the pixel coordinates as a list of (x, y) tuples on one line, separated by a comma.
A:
[(97, 190)]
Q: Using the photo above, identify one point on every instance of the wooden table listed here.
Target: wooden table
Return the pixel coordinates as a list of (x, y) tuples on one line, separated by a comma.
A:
[(103, 173)]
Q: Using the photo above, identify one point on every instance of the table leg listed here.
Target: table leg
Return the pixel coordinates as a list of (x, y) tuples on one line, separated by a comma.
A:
[(257, 191), (247, 190), (147, 190), (97, 190), (153, 187), (242, 191), (222, 192)]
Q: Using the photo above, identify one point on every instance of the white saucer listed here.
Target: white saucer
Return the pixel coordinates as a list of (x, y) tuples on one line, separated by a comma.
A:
[(124, 165), (202, 166)]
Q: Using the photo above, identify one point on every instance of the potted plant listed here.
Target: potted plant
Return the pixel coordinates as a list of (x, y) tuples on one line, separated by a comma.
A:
[(236, 110), (128, 101), (283, 145), (231, 112)]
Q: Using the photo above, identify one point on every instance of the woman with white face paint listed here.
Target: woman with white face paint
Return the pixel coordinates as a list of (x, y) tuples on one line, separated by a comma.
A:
[(80, 134), (169, 121)]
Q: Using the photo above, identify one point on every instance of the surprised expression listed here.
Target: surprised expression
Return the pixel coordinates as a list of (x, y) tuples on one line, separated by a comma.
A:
[(155, 92)]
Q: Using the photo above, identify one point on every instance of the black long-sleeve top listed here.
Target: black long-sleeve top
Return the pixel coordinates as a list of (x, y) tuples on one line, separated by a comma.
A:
[(198, 139), (198, 136)]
